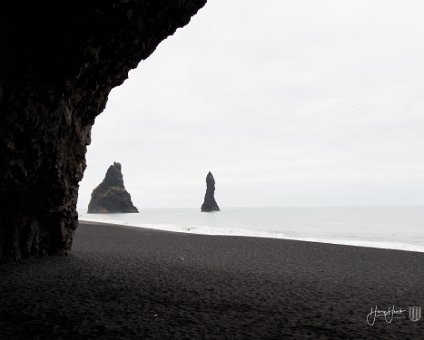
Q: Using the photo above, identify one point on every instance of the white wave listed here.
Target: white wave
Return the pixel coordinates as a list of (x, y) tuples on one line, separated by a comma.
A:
[(198, 229), (207, 230), (368, 244)]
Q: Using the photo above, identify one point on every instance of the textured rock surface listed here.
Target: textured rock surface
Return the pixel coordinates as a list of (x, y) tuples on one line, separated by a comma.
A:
[(58, 63), (209, 204), (111, 196)]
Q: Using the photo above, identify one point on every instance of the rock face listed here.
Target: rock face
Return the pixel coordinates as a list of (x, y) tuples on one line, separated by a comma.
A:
[(58, 63), (209, 204), (111, 196)]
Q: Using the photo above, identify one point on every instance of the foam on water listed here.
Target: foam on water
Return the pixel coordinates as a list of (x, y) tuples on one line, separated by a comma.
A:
[(388, 228), (201, 230)]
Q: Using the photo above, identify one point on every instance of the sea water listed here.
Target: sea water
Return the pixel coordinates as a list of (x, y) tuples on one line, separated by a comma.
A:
[(379, 227)]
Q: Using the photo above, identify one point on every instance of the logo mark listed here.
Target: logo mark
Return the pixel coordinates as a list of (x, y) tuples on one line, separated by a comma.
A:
[(414, 313)]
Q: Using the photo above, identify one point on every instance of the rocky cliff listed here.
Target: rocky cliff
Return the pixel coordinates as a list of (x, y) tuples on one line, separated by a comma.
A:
[(111, 196), (209, 203), (59, 60)]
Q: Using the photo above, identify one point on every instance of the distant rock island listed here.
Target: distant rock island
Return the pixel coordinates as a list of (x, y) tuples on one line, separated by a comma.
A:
[(111, 196), (209, 203)]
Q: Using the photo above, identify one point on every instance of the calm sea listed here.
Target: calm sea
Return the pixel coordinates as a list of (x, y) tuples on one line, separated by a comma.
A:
[(380, 227)]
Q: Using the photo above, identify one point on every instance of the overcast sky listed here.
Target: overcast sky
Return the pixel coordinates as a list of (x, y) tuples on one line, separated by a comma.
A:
[(288, 103)]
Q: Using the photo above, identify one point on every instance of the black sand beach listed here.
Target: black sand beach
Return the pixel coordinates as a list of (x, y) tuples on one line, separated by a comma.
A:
[(132, 283)]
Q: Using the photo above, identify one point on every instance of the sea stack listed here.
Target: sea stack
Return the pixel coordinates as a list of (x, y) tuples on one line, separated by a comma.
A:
[(111, 196), (209, 203)]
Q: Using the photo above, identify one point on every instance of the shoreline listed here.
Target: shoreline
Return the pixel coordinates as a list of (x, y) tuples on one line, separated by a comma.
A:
[(277, 236), (131, 283)]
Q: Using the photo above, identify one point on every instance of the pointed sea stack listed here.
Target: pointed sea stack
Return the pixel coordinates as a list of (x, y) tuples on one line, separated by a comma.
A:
[(209, 203), (110, 196)]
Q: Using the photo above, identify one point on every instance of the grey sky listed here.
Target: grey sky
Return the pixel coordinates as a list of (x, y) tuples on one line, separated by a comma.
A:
[(286, 102)]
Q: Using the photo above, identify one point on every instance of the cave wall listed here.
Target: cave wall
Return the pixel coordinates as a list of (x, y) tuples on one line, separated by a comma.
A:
[(58, 62)]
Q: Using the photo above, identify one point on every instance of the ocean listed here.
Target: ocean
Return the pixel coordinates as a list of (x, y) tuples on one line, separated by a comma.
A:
[(378, 227)]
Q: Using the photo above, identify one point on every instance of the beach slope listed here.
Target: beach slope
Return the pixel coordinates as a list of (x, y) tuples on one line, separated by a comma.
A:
[(133, 283)]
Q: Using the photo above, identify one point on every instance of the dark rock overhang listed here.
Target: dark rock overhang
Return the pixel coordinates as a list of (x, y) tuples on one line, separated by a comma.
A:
[(58, 62)]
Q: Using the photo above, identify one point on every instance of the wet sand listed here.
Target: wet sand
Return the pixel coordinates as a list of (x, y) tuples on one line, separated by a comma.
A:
[(133, 283)]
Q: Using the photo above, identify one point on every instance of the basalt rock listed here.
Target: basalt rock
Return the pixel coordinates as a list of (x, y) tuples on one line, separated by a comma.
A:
[(111, 196), (59, 60), (209, 204)]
